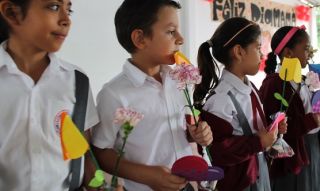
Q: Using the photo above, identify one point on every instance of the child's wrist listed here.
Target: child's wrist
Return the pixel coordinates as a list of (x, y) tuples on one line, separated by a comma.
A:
[(189, 137)]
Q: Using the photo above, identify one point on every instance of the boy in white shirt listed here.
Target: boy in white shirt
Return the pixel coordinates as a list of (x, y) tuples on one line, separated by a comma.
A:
[(35, 88), (149, 31)]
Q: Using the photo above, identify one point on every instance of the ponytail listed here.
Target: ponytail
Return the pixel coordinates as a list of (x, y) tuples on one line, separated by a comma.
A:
[(207, 67), (233, 31), (271, 63)]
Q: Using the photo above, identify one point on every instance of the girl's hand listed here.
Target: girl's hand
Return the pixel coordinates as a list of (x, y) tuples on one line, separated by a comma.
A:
[(316, 117), (267, 138), (201, 134)]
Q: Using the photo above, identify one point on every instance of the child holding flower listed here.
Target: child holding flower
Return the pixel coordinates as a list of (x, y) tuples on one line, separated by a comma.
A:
[(301, 171), (149, 31), (232, 104)]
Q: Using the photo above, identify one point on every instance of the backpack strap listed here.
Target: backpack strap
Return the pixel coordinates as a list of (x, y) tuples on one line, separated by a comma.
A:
[(241, 116), (78, 117)]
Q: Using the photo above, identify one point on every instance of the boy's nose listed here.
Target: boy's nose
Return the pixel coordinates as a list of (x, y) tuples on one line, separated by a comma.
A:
[(65, 19), (180, 39)]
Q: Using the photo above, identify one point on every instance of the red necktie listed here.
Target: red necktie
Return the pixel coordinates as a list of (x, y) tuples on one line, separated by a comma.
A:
[(256, 106)]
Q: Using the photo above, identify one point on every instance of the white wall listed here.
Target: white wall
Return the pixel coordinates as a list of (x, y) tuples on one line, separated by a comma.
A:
[(198, 27), (92, 42), (93, 46)]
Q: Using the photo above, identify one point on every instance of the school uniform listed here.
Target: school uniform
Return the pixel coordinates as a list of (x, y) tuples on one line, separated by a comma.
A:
[(159, 138), (301, 171), (30, 146), (240, 154)]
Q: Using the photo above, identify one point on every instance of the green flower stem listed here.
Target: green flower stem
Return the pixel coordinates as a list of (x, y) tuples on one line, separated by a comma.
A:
[(114, 181), (291, 98), (186, 93), (94, 159), (208, 152), (284, 87), (96, 164)]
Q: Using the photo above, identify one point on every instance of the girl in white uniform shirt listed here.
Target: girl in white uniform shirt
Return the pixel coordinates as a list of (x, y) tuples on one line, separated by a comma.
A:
[(233, 106), (35, 87)]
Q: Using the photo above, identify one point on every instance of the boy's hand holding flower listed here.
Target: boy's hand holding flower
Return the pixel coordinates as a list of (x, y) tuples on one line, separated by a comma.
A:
[(186, 74), (201, 134)]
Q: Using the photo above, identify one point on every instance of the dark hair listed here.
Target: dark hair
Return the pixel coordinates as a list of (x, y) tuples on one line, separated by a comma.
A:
[(232, 31), (137, 14), (4, 27), (271, 61)]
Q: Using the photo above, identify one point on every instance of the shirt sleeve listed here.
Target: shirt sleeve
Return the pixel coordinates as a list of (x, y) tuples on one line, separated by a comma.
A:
[(104, 134), (221, 105)]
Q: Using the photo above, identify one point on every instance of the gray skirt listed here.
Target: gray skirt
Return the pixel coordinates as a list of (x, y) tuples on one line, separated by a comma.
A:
[(309, 177), (263, 182)]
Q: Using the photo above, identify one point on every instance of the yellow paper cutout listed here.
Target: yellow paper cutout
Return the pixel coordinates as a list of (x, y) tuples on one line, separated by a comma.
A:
[(73, 143), (180, 58), (293, 68)]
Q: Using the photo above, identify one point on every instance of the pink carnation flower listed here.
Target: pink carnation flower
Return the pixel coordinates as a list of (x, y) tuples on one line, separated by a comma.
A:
[(127, 118), (312, 80), (124, 115), (185, 74)]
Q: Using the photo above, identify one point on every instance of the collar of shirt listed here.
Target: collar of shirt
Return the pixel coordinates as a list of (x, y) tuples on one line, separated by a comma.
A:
[(138, 77), (6, 60), (237, 83)]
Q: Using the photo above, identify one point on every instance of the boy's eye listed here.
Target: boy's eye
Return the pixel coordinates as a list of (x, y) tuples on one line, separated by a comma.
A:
[(172, 32), (54, 7), (70, 11), (259, 47)]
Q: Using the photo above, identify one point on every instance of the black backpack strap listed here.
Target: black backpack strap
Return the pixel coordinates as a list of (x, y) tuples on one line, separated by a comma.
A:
[(78, 117), (241, 116), (262, 182)]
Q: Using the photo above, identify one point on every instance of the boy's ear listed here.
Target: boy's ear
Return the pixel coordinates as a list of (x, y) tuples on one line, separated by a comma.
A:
[(10, 12), (138, 38)]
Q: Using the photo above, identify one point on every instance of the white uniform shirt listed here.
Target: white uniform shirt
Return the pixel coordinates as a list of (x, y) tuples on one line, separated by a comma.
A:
[(159, 138), (221, 105), (305, 96), (30, 147)]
